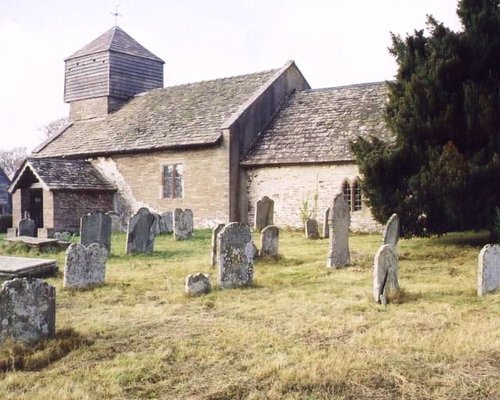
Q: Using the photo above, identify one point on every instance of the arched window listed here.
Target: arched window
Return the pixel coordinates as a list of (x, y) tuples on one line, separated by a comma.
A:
[(356, 195), (346, 191)]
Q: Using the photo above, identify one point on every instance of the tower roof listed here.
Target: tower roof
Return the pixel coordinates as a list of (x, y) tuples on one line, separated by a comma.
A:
[(115, 39)]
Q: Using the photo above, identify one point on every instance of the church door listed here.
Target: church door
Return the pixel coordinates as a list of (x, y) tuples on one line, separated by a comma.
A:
[(36, 207)]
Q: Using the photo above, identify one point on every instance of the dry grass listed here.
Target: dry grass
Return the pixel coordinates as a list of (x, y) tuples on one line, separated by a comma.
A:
[(301, 332)]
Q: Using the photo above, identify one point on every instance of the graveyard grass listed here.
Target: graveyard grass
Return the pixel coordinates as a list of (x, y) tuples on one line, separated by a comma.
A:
[(301, 332)]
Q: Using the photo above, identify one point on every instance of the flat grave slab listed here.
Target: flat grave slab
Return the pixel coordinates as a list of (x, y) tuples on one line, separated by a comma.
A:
[(22, 267), (32, 241)]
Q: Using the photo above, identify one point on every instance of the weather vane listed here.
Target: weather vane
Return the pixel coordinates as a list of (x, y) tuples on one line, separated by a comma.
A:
[(116, 14)]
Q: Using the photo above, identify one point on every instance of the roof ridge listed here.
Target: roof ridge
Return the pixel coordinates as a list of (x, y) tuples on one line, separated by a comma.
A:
[(352, 85)]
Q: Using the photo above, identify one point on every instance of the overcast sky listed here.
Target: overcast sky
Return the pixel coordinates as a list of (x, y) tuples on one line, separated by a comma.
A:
[(334, 42)]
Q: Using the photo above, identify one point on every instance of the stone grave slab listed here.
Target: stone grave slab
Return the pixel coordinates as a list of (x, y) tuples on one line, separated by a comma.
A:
[(21, 267), (269, 241)]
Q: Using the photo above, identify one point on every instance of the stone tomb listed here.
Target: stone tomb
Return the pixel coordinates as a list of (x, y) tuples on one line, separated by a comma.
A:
[(326, 224), (183, 224), (167, 222), (385, 273), (340, 218), (311, 228), (27, 227), (140, 232), (214, 250), (269, 241), (85, 266), (22, 267), (236, 253), (391, 231), (197, 284), (95, 227), (264, 213), (488, 274), (27, 310)]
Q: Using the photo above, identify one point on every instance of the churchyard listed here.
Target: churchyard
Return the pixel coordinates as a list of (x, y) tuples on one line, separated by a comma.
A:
[(301, 331)]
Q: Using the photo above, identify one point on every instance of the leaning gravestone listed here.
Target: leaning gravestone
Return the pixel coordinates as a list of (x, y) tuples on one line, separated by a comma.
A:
[(85, 266), (197, 284), (385, 273), (166, 222), (488, 277), (235, 257), (95, 227), (27, 310), (140, 232), (269, 241), (183, 224), (391, 231), (264, 213), (312, 231), (214, 250), (326, 224), (340, 218), (27, 227)]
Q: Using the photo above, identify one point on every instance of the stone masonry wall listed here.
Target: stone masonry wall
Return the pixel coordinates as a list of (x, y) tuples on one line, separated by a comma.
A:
[(289, 186)]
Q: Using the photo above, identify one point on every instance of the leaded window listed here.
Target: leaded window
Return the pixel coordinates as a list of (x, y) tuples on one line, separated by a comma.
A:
[(356, 195), (172, 181), (346, 191)]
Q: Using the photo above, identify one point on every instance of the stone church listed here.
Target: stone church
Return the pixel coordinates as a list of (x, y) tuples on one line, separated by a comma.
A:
[(214, 146)]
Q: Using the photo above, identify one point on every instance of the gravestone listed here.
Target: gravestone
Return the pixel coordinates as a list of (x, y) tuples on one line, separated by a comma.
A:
[(27, 227), (264, 213), (340, 218), (391, 231), (326, 224), (311, 228), (235, 257), (156, 225), (488, 277), (269, 241), (214, 250), (27, 310), (183, 224), (95, 227), (116, 222), (197, 284), (11, 232), (140, 232), (166, 222), (385, 273), (85, 266)]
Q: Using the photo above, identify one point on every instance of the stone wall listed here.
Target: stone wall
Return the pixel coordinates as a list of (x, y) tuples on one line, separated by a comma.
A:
[(290, 185)]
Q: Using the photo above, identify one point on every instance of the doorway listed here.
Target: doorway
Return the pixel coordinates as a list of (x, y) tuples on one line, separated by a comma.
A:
[(36, 207)]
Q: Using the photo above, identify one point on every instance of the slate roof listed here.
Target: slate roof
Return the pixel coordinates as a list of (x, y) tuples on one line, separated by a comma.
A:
[(318, 125), (178, 116), (63, 174), (116, 39)]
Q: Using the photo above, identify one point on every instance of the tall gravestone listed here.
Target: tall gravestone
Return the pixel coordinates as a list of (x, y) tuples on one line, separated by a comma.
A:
[(140, 232), (166, 222), (391, 231), (27, 310), (27, 227), (183, 224), (214, 250), (340, 219), (488, 276), (326, 224), (236, 253), (385, 273), (95, 227), (264, 213), (311, 228), (269, 241), (85, 266)]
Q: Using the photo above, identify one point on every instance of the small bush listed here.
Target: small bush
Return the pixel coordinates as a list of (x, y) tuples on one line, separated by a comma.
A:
[(5, 222)]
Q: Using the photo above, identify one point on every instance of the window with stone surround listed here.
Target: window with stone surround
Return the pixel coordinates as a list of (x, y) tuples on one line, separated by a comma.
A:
[(172, 181)]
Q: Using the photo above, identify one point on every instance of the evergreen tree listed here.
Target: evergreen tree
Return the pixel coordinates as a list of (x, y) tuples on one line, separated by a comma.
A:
[(442, 171)]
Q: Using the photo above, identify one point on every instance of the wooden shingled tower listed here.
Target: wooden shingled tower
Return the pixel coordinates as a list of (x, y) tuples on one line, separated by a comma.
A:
[(104, 74)]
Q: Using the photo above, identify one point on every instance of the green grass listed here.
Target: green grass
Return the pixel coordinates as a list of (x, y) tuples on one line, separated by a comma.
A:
[(301, 332)]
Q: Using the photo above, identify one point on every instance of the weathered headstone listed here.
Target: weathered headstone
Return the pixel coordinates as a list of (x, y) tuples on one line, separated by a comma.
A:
[(326, 224), (183, 224), (156, 225), (391, 231), (27, 227), (197, 284), (264, 213), (95, 227), (85, 266), (269, 241), (27, 310), (214, 250), (140, 232), (385, 273), (311, 228), (167, 222), (235, 257), (488, 276), (340, 218)]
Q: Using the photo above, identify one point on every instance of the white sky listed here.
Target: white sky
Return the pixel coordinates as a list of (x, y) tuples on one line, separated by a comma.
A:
[(334, 42)]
